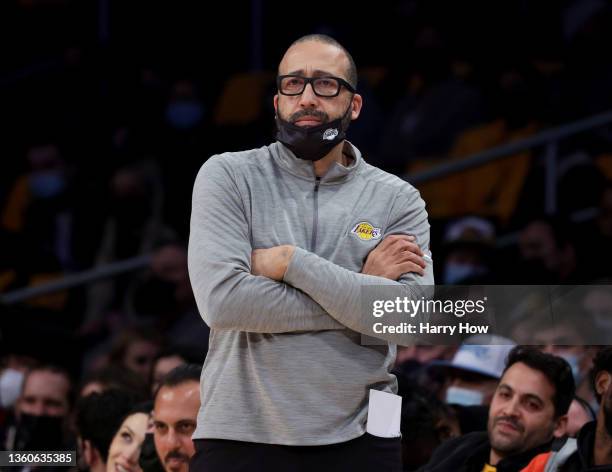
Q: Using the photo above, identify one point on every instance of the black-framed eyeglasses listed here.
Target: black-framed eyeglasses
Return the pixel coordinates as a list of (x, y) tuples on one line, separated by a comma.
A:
[(326, 86)]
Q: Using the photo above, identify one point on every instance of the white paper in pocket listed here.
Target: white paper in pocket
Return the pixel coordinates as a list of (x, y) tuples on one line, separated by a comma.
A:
[(384, 414)]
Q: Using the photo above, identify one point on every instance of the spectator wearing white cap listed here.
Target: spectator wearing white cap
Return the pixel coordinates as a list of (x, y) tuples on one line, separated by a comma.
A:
[(467, 251), (475, 370)]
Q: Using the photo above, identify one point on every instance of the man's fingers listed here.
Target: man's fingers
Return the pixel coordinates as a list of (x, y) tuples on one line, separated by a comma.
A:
[(400, 237), (412, 247), (411, 257), (394, 239), (401, 246), (386, 242), (406, 267)]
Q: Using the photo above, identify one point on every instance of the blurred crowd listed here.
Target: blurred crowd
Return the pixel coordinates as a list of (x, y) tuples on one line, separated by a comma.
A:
[(107, 136), (117, 418), (101, 169), (485, 401)]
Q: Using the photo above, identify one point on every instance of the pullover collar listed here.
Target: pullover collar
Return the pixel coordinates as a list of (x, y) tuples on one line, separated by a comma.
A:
[(337, 173)]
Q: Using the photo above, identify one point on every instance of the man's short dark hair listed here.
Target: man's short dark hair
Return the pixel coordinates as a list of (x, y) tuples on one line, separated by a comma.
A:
[(601, 362), (180, 375), (99, 416), (554, 368), (351, 73)]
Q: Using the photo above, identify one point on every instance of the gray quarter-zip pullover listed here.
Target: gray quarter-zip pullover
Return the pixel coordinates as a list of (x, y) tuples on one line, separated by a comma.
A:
[(285, 363)]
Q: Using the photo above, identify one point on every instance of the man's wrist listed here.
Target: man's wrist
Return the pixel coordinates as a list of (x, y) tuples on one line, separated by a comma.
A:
[(287, 254)]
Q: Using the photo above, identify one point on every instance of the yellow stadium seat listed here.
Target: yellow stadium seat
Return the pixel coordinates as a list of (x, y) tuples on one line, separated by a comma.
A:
[(242, 98)]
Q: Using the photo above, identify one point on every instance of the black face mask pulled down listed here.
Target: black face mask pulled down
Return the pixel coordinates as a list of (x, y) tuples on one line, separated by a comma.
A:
[(39, 433), (312, 143)]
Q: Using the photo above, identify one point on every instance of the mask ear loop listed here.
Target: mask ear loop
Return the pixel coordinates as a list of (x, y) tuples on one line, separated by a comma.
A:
[(350, 107), (348, 110)]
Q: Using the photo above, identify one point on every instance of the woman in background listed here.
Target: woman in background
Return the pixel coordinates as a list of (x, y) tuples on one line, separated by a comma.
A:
[(124, 450)]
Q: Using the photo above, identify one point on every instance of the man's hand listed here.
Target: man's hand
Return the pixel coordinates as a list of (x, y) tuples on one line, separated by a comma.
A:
[(272, 262), (395, 255)]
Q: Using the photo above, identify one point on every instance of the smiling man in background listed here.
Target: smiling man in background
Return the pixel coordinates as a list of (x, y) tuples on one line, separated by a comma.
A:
[(175, 410), (528, 410)]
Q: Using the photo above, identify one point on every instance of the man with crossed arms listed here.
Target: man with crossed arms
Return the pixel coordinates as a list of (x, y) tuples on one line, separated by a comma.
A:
[(279, 236)]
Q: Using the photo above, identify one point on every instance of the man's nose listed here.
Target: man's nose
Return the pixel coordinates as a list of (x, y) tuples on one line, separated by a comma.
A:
[(38, 409), (512, 408), (308, 99), (172, 439)]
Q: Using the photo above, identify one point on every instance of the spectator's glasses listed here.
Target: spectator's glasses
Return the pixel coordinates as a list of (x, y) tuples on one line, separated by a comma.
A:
[(321, 86)]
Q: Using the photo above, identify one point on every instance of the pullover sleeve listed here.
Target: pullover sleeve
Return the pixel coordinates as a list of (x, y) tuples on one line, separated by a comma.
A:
[(339, 291), (219, 259)]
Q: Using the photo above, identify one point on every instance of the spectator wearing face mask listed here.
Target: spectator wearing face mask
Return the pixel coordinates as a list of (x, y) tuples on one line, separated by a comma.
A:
[(468, 252), (42, 412), (475, 370), (13, 368), (36, 223), (184, 110), (185, 137), (567, 338)]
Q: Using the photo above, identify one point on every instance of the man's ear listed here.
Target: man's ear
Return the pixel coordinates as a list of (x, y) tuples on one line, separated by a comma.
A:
[(276, 104), (602, 382), (356, 105), (88, 452), (561, 427), (97, 457)]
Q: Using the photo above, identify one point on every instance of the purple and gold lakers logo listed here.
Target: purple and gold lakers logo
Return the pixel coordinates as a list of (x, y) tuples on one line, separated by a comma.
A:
[(365, 231)]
